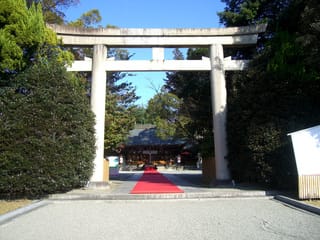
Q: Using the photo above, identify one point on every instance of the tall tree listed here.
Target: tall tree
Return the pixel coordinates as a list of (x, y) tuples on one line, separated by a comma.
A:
[(120, 96), (247, 12), (163, 111), (22, 33), (53, 9), (46, 125), (194, 89), (140, 115), (276, 95), (120, 105), (177, 54), (88, 19)]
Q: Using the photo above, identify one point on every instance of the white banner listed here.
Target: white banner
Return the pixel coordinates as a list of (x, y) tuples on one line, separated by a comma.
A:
[(306, 146)]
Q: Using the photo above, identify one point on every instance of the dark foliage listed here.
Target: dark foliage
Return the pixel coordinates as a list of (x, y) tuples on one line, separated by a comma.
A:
[(277, 94), (47, 134), (194, 89)]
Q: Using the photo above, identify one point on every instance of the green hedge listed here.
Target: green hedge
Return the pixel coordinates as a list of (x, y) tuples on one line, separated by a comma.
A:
[(47, 132)]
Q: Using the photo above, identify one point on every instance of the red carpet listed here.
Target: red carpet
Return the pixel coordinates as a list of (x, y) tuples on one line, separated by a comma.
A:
[(154, 182)]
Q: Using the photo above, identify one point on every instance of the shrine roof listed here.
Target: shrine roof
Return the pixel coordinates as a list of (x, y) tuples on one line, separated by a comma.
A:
[(148, 137)]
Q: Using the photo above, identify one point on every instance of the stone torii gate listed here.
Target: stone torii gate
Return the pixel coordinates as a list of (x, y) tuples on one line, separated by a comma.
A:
[(158, 39)]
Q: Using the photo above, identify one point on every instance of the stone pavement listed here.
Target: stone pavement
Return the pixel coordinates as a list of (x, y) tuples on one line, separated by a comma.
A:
[(187, 180)]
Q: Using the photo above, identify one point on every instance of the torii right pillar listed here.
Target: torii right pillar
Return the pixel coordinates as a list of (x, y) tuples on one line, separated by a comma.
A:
[(219, 107)]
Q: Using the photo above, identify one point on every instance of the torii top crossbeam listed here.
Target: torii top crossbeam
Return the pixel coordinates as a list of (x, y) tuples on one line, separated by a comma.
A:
[(157, 39), (167, 37)]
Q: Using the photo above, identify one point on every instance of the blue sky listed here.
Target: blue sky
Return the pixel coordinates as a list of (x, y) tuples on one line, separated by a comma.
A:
[(151, 14)]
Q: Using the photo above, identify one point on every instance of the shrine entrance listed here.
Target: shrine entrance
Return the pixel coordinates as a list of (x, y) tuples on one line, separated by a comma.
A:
[(158, 39)]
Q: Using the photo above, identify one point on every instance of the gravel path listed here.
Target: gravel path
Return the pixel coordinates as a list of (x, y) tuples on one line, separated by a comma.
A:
[(164, 219)]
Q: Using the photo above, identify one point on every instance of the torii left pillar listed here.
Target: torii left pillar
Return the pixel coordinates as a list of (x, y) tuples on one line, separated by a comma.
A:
[(98, 102), (219, 107)]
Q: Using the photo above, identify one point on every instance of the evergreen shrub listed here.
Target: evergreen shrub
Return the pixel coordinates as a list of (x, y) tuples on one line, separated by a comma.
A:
[(47, 142)]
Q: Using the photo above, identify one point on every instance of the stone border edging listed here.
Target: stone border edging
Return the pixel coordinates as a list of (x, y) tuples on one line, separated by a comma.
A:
[(20, 211), (298, 204), (189, 195)]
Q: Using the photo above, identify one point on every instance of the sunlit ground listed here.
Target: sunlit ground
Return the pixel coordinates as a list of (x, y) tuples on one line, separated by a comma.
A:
[(7, 206), (313, 202)]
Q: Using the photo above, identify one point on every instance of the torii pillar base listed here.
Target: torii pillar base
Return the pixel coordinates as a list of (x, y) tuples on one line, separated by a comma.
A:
[(208, 170)]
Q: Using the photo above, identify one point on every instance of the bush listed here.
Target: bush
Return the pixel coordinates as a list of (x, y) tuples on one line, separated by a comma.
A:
[(263, 107), (47, 140)]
